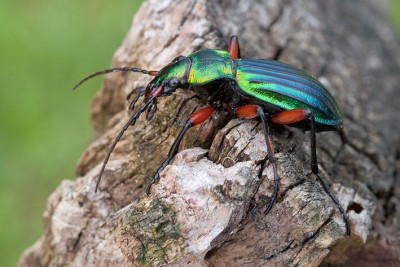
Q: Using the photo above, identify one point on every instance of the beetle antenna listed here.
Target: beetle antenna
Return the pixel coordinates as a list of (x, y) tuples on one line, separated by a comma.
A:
[(151, 73), (131, 121)]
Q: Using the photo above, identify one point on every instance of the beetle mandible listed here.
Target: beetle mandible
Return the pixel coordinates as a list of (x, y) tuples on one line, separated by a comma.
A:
[(273, 91)]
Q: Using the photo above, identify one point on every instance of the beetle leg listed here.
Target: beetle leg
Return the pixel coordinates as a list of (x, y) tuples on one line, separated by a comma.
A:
[(196, 118), (141, 90), (151, 110), (271, 157), (343, 138), (298, 115), (252, 111), (131, 122), (336, 201), (233, 48), (301, 114), (136, 90)]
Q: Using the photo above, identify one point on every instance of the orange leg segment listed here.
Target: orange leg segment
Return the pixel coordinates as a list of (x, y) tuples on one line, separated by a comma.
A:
[(201, 115), (288, 117), (291, 116), (233, 48), (247, 112), (196, 118), (298, 115), (252, 111)]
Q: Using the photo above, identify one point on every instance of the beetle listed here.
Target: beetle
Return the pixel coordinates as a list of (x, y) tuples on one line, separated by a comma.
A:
[(273, 91)]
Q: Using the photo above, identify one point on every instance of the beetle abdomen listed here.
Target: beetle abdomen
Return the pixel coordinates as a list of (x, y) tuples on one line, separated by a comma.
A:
[(287, 87)]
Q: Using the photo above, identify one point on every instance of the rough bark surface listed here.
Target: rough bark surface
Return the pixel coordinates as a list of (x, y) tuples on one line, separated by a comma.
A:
[(199, 214)]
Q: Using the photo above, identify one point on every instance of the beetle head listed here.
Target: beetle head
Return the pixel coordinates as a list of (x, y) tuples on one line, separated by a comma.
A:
[(169, 78), (165, 82)]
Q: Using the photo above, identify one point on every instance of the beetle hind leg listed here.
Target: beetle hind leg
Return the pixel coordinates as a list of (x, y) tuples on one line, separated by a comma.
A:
[(301, 114), (343, 139), (298, 115), (337, 203)]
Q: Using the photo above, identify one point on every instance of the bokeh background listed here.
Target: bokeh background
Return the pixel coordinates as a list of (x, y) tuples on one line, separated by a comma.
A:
[(45, 48)]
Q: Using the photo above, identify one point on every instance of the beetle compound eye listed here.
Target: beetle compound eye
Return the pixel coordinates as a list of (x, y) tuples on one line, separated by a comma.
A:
[(174, 82)]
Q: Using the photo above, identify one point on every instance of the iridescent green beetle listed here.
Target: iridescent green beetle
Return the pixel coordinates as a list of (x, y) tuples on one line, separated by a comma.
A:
[(271, 90)]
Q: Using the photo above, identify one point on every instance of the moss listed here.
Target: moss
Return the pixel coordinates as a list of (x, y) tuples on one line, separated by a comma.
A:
[(153, 225)]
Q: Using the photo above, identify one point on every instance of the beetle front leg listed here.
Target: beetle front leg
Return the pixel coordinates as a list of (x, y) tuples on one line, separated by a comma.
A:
[(252, 111), (130, 122), (196, 118), (140, 91)]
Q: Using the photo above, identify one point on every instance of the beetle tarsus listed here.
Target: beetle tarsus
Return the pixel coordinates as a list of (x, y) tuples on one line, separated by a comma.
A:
[(131, 106), (337, 203), (138, 90), (196, 118), (151, 110), (171, 154), (271, 157)]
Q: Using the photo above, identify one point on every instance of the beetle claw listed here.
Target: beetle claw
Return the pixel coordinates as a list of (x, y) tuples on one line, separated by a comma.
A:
[(151, 110)]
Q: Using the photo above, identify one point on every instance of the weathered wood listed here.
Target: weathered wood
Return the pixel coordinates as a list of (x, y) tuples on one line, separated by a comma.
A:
[(199, 212)]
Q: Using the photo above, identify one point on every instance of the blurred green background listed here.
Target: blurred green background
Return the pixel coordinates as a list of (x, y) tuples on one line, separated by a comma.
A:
[(46, 47)]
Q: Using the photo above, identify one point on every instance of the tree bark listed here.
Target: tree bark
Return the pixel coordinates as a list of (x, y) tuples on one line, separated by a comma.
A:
[(200, 212)]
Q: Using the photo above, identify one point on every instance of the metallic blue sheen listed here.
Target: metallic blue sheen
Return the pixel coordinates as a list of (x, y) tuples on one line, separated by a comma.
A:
[(288, 88)]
